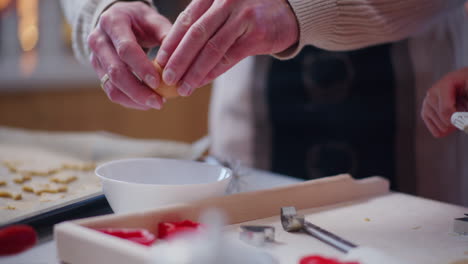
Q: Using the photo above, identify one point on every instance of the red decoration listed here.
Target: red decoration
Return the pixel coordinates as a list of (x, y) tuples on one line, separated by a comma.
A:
[(315, 259), (17, 238), (169, 229), (144, 237), (140, 236)]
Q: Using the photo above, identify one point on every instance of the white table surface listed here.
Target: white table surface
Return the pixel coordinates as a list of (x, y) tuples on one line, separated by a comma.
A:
[(45, 253)]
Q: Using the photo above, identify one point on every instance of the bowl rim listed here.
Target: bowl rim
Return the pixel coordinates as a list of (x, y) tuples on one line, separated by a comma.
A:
[(108, 163)]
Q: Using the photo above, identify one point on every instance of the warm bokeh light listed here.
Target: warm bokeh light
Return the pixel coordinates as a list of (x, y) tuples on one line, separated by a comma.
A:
[(67, 33), (28, 37), (28, 32), (26, 7), (4, 4)]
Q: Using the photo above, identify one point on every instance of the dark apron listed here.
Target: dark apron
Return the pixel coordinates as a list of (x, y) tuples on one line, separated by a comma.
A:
[(333, 112)]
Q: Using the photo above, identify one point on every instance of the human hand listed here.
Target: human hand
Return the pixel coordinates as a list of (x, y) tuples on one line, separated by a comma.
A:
[(211, 36), (447, 96), (117, 50)]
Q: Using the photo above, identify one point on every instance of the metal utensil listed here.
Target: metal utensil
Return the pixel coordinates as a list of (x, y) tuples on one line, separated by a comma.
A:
[(292, 222), (460, 225), (460, 121), (257, 235)]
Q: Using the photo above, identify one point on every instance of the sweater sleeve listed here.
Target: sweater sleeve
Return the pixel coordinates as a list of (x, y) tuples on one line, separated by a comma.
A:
[(83, 16), (342, 25)]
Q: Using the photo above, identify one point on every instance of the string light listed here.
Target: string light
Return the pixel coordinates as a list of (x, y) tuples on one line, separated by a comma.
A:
[(28, 31), (28, 34), (4, 4)]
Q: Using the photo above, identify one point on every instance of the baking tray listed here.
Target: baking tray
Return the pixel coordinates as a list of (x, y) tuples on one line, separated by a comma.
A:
[(97, 147), (43, 222), (362, 211)]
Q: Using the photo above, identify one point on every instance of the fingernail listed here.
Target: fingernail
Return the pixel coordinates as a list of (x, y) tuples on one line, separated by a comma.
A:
[(185, 89), (168, 76), (162, 57), (164, 100), (151, 81), (153, 102)]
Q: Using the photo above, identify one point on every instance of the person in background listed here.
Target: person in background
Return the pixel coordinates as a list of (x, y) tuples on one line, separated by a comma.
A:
[(339, 99)]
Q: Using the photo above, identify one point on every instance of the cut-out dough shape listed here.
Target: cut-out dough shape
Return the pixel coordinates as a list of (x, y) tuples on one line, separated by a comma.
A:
[(11, 195), (63, 178), (22, 179), (40, 188)]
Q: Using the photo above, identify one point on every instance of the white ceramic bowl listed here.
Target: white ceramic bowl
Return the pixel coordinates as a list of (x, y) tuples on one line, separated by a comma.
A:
[(139, 184)]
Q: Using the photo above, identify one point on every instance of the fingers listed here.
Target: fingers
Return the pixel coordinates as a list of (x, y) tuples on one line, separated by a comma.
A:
[(443, 99), (212, 54), (119, 74), (190, 46), (114, 94), (151, 29), (446, 103), (185, 20), (433, 122), (119, 30), (199, 43), (233, 56), (428, 115)]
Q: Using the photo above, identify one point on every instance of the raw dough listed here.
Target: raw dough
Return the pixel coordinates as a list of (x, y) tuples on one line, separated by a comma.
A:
[(40, 188), (22, 179), (63, 178), (79, 167), (10, 194), (165, 90)]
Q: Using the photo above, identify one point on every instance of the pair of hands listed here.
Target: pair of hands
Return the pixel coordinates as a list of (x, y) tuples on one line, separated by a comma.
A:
[(207, 39)]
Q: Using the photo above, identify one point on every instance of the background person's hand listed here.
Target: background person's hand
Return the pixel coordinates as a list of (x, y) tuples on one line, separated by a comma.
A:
[(447, 96), (117, 50), (211, 36)]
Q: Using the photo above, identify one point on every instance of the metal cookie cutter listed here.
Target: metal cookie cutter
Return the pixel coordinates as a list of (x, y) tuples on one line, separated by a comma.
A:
[(460, 225), (460, 121), (257, 235), (292, 222)]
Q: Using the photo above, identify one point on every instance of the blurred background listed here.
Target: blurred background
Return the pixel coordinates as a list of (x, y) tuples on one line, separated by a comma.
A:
[(43, 87)]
